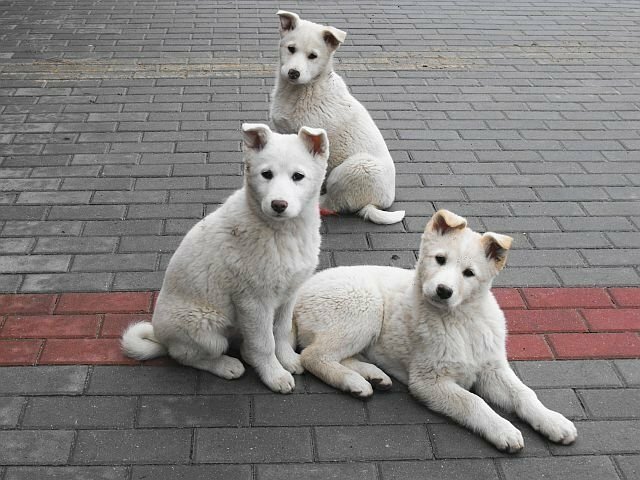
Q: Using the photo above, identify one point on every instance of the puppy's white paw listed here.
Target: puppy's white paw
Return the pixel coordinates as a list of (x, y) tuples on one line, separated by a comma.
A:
[(228, 367), (280, 381), (556, 428), (507, 439), (290, 360), (357, 386)]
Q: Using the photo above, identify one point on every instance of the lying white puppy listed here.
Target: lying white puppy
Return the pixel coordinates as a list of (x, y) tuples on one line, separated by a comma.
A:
[(437, 328), (361, 173), (238, 269)]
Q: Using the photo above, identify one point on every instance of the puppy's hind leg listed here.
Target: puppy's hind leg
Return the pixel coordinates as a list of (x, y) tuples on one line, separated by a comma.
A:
[(329, 369), (360, 185), (369, 371), (212, 360), (284, 338)]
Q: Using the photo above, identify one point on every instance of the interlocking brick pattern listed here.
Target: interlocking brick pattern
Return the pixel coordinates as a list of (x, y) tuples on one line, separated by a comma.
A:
[(544, 324), (119, 129), (182, 423)]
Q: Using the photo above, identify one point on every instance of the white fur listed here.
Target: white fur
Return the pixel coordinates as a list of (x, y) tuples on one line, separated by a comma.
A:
[(238, 269), (361, 173), (440, 347)]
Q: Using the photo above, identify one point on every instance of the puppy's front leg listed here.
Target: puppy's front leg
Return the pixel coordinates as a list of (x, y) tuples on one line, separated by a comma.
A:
[(441, 394), (285, 341), (501, 386), (258, 346)]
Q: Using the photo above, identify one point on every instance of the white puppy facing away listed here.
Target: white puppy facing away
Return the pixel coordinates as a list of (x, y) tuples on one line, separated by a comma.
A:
[(238, 269), (361, 173), (437, 328)]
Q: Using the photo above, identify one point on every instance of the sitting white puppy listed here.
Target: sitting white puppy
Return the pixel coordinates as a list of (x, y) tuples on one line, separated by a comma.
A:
[(437, 328), (361, 173), (238, 269)]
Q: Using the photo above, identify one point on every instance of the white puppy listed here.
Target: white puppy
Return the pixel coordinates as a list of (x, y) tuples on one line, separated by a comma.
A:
[(361, 173), (238, 269), (437, 328)]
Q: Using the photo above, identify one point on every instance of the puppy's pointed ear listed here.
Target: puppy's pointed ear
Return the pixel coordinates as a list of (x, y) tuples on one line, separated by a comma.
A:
[(444, 221), (255, 136), (333, 37), (288, 21), (316, 141), (496, 247)]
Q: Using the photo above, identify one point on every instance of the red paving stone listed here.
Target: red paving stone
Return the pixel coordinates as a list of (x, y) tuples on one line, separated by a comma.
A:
[(50, 326), (567, 297), (85, 350), (543, 321), (509, 298), (18, 304), (544, 324), (626, 297), (528, 347), (595, 345), (608, 320), (114, 324), (19, 352), (127, 302)]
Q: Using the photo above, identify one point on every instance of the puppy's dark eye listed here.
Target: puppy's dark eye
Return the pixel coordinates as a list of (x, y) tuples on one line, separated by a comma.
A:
[(312, 56), (296, 177), (291, 49), (268, 174), (468, 273), (440, 260)]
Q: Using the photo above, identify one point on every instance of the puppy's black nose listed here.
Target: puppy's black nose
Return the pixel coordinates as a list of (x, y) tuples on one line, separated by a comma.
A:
[(294, 74), (279, 206), (444, 292)]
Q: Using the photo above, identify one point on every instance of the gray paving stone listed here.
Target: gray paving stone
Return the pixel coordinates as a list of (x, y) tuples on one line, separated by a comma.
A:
[(80, 412), (249, 383), (455, 441), (441, 470), (107, 380), (563, 400), (76, 245), (32, 447), (588, 468), (629, 370), (59, 380), (10, 410), (602, 437), (320, 409), (629, 465), (253, 445), (191, 472), (400, 408), (116, 262), (399, 258), (335, 471), (381, 442), (611, 403), (66, 473), (568, 373), (66, 282), (132, 446), (598, 276), (194, 411)]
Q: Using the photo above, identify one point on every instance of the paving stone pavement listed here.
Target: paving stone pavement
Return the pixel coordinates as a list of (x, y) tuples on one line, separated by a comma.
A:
[(119, 129)]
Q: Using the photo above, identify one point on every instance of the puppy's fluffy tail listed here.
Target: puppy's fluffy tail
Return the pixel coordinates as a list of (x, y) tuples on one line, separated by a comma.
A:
[(139, 342), (375, 215)]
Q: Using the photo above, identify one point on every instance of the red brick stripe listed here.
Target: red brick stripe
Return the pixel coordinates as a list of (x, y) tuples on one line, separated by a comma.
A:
[(544, 324)]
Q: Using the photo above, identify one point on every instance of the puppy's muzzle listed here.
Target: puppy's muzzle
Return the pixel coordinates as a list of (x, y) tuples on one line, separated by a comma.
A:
[(293, 74), (279, 206)]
